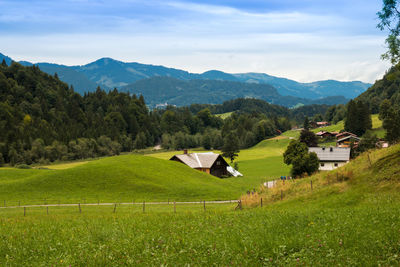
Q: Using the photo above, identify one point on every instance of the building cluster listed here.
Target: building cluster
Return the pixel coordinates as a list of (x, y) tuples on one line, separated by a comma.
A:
[(344, 139)]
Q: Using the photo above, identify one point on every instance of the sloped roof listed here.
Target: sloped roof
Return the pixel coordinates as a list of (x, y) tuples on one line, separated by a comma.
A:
[(345, 134), (199, 160), (349, 137), (331, 153)]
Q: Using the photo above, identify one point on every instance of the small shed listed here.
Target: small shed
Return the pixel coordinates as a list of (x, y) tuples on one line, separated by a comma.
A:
[(210, 162), (331, 158)]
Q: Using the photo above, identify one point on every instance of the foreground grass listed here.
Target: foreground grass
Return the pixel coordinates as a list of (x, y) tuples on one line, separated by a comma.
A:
[(302, 234)]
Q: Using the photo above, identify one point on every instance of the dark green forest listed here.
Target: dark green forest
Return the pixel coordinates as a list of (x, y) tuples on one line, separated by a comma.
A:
[(42, 119)]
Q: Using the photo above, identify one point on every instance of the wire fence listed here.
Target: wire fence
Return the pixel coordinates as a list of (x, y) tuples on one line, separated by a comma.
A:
[(139, 206)]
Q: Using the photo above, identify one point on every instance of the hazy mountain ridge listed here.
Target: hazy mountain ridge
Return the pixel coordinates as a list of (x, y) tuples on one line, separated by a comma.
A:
[(109, 73), (161, 90)]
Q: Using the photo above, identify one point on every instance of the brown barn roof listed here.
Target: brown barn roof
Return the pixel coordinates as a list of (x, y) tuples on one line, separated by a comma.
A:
[(199, 160)]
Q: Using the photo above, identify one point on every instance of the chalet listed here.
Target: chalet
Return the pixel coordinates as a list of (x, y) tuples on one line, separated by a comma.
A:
[(344, 134), (346, 141), (319, 124), (210, 163), (322, 123), (323, 134), (331, 158)]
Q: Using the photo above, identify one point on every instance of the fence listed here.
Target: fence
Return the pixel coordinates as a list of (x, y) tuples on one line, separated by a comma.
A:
[(143, 205)]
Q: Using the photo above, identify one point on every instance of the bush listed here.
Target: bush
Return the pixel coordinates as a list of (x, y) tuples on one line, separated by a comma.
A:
[(23, 166)]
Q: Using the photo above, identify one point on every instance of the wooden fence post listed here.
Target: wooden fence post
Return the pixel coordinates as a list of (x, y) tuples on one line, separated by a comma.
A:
[(79, 206), (144, 206), (115, 207), (369, 160), (174, 207), (24, 211), (311, 184), (204, 205)]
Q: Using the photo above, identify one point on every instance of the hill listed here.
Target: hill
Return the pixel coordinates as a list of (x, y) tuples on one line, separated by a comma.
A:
[(161, 90), (121, 178), (385, 88), (109, 73), (365, 178), (313, 90)]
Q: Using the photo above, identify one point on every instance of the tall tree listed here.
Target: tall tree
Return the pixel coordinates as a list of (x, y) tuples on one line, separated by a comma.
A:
[(301, 160), (389, 18), (358, 118), (306, 124), (309, 138), (231, 146)]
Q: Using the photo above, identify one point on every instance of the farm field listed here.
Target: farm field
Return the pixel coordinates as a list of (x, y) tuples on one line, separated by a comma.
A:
[(349, 222)]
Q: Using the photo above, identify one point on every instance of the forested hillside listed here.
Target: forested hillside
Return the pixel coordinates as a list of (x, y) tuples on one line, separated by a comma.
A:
[(42, 119), (386, 88), (160, 90)]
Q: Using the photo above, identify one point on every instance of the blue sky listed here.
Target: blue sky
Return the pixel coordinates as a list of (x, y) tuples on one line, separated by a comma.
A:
[(305, 40)]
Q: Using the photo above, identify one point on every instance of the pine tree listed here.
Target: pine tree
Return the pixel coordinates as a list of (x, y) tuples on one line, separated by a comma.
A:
[(306, 124), (231, 146)]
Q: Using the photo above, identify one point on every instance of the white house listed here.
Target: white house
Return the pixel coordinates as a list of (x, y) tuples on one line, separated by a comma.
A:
[(331, 158)]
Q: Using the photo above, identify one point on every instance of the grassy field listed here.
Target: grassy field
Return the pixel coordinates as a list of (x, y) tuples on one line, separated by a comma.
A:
[(351, 217), (262, 162), (224, 115), (114, 179), (351, 221)]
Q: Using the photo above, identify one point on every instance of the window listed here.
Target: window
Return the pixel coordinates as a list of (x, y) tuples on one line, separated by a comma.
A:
[(322, 164), (218, 162), (336, 164)]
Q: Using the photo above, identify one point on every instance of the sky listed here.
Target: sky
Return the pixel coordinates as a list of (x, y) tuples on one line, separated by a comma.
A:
[(304, 40)]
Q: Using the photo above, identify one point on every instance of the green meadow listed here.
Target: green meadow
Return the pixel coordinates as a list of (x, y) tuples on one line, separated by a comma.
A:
[(350, 222), (349, 217)]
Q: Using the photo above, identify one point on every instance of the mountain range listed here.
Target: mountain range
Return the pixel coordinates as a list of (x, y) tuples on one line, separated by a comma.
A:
[(134, 77)]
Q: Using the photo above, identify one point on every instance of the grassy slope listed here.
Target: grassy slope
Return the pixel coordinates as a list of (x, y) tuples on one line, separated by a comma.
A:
[(122, 178), (224, 115), (376, 126), (259, 163)]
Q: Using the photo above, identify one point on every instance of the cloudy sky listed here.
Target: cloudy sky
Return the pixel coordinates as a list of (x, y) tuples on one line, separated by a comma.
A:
[(305, 40)]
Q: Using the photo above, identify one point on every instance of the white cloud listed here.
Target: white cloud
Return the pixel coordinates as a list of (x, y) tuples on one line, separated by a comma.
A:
[(198, 37)]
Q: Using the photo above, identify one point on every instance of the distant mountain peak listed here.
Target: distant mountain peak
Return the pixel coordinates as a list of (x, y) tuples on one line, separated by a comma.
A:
[(109, 73)]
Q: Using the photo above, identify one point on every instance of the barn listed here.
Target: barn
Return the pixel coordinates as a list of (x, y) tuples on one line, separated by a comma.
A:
[(210, 163)]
